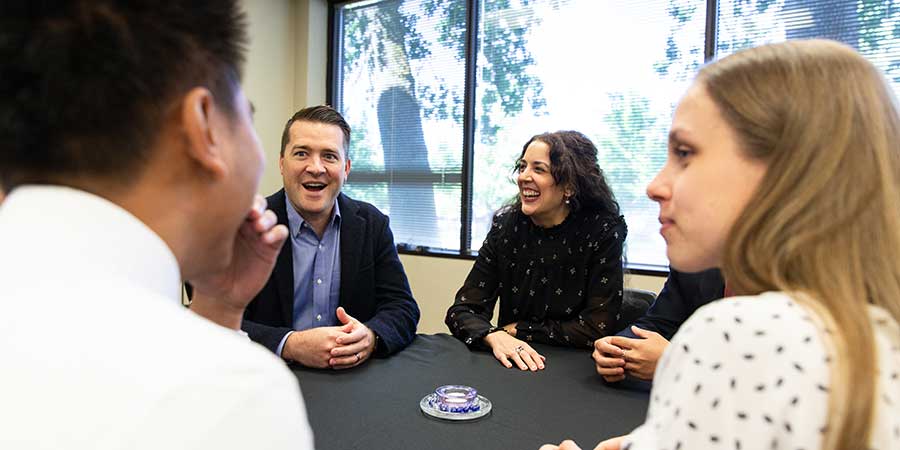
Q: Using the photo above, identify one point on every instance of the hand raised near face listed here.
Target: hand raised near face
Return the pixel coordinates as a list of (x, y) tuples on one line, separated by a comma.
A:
[(254, 253)]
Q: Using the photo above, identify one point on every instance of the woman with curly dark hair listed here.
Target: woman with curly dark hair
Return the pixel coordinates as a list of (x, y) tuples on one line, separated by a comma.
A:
[(553, 257)]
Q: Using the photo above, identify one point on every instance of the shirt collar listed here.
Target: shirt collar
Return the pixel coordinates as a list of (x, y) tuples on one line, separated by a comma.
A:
[(296, 221), (99, 238)]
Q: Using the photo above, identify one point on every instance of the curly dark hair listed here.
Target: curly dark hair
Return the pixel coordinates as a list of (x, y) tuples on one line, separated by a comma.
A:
[(86, 84), (573, 163)]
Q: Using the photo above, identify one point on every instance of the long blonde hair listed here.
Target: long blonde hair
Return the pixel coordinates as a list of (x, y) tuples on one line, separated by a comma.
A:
[(825, 220)]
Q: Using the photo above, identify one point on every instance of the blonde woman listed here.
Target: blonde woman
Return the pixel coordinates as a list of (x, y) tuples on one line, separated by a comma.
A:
[(783, 170)]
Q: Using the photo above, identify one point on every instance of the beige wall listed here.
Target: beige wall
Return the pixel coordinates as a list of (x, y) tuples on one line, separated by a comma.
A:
[(312, 52), (270, 77), (285, 69), (285, 72)]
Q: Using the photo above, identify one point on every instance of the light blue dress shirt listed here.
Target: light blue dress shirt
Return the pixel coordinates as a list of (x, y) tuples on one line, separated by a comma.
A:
[(317, 271)]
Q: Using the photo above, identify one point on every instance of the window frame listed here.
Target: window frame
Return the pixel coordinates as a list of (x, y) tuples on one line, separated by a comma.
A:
[(466, 173)]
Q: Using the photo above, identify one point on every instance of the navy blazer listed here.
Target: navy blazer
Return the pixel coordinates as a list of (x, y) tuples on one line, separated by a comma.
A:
[(682, 294), (374, 288)]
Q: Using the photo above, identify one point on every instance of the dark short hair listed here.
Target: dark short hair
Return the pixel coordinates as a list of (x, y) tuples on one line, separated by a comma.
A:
[(86, 84), (317, 114), (573, 164)]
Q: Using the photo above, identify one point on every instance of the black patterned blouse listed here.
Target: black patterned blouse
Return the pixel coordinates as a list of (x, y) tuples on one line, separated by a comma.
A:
[(563, 285)]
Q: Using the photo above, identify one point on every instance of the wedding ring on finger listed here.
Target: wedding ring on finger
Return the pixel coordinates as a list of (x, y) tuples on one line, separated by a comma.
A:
[(519, 349), (357, 357)]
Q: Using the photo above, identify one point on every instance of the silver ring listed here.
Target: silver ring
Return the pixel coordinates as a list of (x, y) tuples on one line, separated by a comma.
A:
[(357, 357), (519, 349)]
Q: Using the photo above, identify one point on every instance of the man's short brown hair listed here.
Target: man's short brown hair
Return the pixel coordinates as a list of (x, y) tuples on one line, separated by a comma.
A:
[(317, 114)]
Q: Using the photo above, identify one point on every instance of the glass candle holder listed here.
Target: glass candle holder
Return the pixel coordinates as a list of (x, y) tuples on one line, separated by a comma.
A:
[(456, 399)]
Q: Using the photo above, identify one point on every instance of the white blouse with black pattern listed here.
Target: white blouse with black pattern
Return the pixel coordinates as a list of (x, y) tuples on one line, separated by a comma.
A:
[(750, 373)]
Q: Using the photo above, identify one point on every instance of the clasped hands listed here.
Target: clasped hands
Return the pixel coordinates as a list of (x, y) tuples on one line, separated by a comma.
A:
[(338, 347), (616, 356)]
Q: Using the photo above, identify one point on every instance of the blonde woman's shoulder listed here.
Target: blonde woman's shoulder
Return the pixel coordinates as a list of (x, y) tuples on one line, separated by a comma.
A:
[(777, 311)]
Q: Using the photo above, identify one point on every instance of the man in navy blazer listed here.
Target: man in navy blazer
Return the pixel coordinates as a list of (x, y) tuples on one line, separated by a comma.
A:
[(338, 294), (635, 350)]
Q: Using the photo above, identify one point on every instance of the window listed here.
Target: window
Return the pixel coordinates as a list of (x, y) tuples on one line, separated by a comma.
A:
[(442, 94), (400, 85), (870, 26)]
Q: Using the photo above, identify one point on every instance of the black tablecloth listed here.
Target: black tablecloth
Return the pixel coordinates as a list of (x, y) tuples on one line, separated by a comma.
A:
[(376, 406)]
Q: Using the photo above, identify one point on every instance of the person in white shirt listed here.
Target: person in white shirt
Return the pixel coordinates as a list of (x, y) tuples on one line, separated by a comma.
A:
[(783, 171), (128, 146)]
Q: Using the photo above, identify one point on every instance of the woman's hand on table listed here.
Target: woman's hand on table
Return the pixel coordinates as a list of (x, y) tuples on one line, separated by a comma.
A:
[(509, 350), (609, 444), (564, 445)]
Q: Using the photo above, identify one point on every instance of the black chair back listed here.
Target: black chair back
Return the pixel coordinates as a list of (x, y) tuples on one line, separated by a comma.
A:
[(635, 303)]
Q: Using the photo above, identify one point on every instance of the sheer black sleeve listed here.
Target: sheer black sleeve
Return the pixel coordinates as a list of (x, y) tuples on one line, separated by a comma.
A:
[(469, 319)]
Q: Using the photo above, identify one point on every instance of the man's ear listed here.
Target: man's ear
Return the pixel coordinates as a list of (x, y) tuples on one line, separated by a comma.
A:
[(203, 137), (347, 168)]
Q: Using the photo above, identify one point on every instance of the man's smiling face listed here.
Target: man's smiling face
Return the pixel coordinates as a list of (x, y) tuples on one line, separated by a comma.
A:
[(314, 166)]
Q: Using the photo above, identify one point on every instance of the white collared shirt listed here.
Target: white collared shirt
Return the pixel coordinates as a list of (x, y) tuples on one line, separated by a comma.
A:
[(96, 351)]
